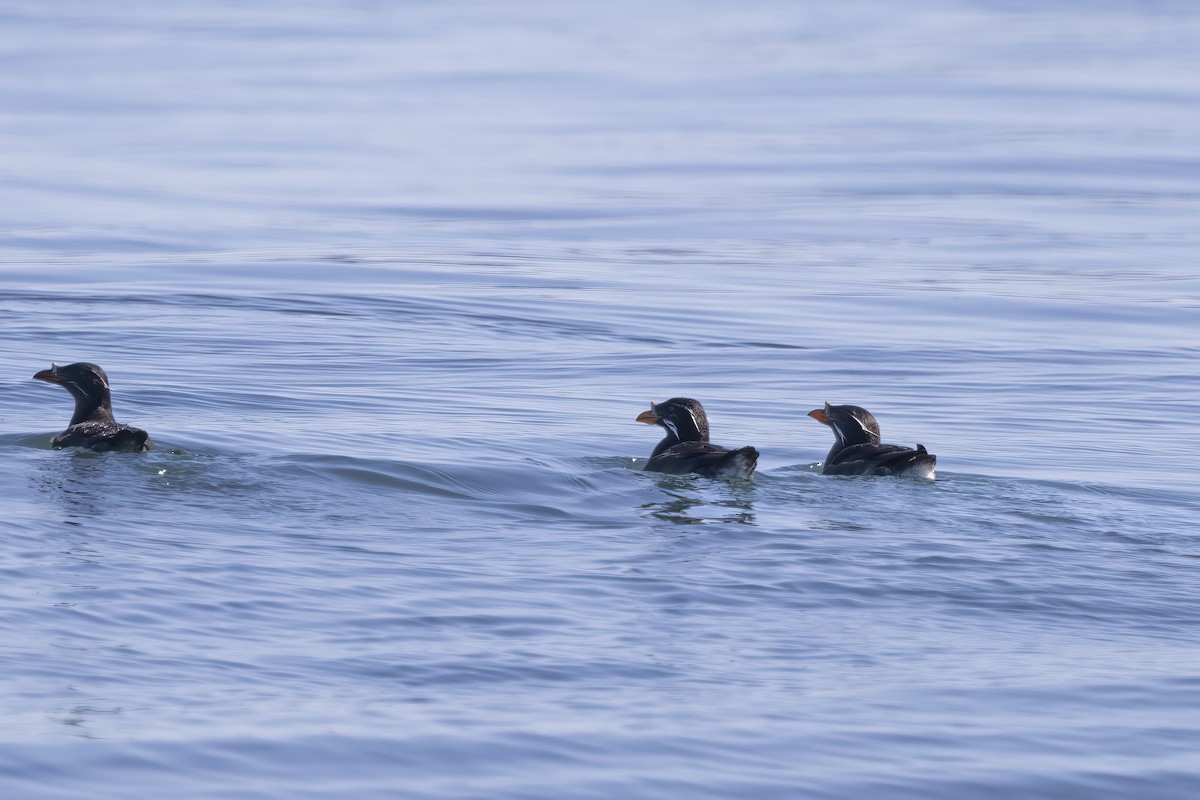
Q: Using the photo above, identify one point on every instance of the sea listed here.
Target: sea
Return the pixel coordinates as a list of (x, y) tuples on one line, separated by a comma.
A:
[(388, 284)]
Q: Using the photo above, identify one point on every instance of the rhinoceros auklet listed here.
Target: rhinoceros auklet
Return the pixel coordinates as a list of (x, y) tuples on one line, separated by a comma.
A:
[(857, 451), (93, 425), (686, 448)]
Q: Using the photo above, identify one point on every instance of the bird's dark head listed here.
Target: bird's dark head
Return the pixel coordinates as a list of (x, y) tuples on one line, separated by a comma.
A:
[(682, 417), (87, 383), (851, 424)]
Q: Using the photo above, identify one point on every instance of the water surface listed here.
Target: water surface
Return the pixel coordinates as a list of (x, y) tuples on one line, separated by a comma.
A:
[(388, 285)]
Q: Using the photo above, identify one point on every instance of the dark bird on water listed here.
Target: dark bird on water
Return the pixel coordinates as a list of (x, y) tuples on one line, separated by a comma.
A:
[(93, 425), (857, 451), (686, 448)]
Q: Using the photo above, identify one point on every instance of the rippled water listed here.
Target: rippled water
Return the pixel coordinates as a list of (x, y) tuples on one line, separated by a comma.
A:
[(388, 284)]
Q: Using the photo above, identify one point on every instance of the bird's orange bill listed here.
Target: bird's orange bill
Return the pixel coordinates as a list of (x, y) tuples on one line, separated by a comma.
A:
[(819, 415), (648, 418), (49, 376)]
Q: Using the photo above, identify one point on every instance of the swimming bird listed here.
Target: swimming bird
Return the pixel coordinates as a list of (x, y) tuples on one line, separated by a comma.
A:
[(93, 425), (857, 451), (686, 448)]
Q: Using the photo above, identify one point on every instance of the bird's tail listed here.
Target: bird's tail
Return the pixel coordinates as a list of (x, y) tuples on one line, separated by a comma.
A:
[(921, 465), (740, 463)]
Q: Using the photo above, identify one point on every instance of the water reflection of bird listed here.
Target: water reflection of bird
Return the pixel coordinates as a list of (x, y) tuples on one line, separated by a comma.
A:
[(685, 508)]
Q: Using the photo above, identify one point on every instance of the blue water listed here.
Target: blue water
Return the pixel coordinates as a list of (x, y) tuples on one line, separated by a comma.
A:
[(388, 283)]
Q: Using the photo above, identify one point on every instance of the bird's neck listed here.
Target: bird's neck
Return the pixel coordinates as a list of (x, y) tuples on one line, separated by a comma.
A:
[(855, 435), (92, 409), (669, 441)]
